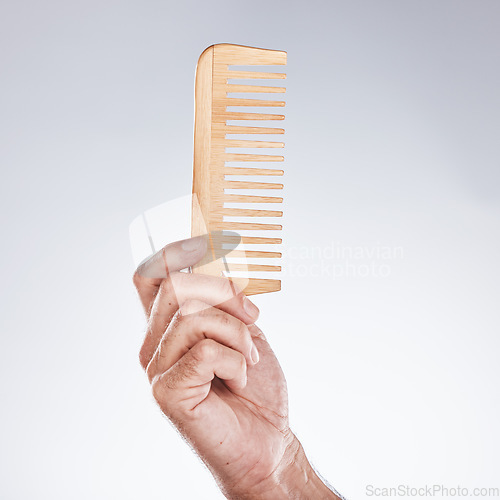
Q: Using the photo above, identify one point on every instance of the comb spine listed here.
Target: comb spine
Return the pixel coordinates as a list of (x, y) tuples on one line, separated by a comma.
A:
[(203, 173)]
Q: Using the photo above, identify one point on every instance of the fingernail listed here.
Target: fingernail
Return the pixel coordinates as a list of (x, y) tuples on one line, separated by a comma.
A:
[(193, 244), (254, 354), (250, 308)]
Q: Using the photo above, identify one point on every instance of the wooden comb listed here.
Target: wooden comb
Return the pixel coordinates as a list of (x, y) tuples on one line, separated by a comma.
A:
[(214, 166)]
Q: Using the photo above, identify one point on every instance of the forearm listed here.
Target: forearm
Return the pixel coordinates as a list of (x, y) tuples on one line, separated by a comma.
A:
[(293, 479)]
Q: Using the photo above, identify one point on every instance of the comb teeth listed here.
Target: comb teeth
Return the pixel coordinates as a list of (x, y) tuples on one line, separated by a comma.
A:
[(235, 143), (251, 171), (251, 240), (231, 115), (246, 226), (248, 198), (254, 286), (239, 129), (251, 185), (245, 212), (250, 157), (216, 83), (232, 88), (249, 75), (256, 103)]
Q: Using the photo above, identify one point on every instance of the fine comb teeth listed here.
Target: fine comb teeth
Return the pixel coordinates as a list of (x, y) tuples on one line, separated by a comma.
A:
[(215, 167)]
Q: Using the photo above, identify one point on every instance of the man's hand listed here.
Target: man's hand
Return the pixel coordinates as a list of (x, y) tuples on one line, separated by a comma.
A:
[(216, 378)]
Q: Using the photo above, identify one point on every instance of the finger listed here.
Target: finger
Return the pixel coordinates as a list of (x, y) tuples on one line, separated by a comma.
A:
[(213, 291), (188, 382), (195, 322), (182, 287), (217, 292), (173, 257)]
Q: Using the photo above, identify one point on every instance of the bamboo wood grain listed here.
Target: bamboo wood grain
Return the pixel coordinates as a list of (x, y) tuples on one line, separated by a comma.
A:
[(256, 103), (245, 212), (259, 75), (234, 115), (252, 171), (240, 129), (251, 185), (254, 286), (250, 157), (251, 240), (233, 88), (235, 143), (242, 198), (212, 137), (246, 226)]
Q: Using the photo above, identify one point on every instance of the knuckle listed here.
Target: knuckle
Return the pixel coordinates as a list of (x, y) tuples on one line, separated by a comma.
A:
[(163, 388), (142, 359), (224, 318), (158, 389), (150, 372), (144, 356), (177, 320), (137, 278), (205, 351)]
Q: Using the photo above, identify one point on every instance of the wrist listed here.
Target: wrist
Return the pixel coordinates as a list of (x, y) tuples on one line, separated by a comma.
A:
[(294, 478)]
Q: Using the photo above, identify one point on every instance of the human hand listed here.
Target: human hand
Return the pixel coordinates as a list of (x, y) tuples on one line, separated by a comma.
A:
[(216, 378)]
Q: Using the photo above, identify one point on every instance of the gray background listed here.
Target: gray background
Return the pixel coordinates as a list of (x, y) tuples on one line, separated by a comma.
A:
[(392, 140)]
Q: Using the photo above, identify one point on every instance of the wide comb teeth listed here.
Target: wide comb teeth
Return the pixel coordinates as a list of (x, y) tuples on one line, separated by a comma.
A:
[(248, 75), (251, 157), (242, 198), (231, 115), (237, 129), (219, 166), (232, 88), (244, 212), (251, 185), (235, 143), (251, 171), (256, 103)]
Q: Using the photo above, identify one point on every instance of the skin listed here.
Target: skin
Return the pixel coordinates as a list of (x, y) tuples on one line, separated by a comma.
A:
[(216, 378)]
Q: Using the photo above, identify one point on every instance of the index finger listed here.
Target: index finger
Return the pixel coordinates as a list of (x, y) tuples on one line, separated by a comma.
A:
[(173, 257)]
